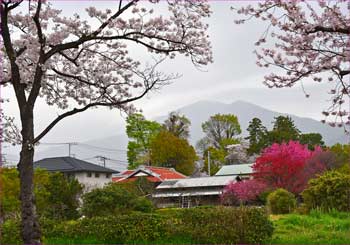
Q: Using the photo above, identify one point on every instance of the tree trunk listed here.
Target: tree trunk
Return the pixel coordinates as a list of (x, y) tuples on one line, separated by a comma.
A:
[(30, 229)]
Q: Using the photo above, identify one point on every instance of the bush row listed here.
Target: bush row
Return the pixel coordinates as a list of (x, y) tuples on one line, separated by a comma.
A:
[(214, 225)]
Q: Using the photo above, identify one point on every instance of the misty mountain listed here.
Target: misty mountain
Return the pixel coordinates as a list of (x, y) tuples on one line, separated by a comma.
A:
[(114, 147), (202, 110)]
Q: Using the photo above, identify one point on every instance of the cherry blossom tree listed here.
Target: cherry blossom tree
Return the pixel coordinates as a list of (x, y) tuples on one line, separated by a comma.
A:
[(311, 41), (287, 166), (243, 191), (76, 65)]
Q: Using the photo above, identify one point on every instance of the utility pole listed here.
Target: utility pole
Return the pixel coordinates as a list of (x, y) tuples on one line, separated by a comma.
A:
[(70, 146), (103, 159), (65, 143), (209, 162)]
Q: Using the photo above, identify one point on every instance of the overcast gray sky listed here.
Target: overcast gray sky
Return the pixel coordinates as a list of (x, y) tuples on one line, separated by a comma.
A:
[(232, 76)]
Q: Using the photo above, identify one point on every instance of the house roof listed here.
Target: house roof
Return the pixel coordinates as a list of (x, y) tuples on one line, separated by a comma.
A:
[(178, 193), (235, 169), (70, 164), (153, 174), (210, 181)]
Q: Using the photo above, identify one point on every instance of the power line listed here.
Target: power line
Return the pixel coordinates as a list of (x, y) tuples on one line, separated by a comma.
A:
[(101, 148), (117, 161), (70, 144), (83, 145), (89, 158)]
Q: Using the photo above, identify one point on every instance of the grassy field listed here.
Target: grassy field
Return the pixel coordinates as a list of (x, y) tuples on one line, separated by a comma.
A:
[(315, 228)]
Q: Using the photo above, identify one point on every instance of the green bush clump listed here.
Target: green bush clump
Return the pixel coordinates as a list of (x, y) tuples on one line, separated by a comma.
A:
[(330, 191), (143, 204), (113, 199), (10, 232), (281, 201), (214, 225), (222, 225), (110, 229), (262, 198)]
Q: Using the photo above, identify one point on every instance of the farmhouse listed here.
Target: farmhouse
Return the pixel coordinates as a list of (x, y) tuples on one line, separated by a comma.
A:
[(191, 192), (89, 174), (153, 174), (242, 171)]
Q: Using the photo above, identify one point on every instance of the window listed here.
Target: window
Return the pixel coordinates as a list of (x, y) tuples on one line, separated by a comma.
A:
[(97, 175), (108, 176), (89, 174)]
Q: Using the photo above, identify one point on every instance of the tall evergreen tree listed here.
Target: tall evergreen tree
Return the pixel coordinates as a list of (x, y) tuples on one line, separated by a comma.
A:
[(312, 140), (257, 136), (283, 130)]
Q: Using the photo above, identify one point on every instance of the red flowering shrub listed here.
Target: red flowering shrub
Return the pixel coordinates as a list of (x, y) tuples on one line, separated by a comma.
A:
[(243, 191), (287, 166)]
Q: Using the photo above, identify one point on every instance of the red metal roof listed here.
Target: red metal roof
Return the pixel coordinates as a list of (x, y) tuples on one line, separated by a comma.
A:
[(153, 174)]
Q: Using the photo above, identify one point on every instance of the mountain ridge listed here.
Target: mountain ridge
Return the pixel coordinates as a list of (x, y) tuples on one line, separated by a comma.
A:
[(197, 112)]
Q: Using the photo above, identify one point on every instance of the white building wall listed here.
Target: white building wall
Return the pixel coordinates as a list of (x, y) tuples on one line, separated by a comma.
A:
[(93, 182)]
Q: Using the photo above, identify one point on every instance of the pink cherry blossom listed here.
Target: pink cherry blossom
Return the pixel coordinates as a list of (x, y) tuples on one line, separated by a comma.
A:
[(311, 39), (244, 191), (286, 166), (81, 66), (75, 66)]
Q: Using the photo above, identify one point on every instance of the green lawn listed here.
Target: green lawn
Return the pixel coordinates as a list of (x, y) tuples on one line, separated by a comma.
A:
[(315, 228)]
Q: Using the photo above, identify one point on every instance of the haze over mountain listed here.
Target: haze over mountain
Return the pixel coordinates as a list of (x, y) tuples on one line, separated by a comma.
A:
[(202, 110), (114, 147)]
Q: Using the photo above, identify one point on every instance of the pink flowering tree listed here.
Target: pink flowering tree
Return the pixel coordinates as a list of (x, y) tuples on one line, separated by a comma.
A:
[(287, 166), (311, 40), (243, 191), (75, 64)]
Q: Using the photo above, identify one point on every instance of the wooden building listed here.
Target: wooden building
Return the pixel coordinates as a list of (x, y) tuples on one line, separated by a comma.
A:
[(190, 192)]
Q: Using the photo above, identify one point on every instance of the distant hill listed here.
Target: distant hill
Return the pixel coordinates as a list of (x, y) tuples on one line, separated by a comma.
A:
[(115, 146), (202, 110)]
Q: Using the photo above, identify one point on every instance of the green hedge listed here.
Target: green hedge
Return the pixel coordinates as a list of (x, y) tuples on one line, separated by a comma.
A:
[(224, 225), (219, 225)]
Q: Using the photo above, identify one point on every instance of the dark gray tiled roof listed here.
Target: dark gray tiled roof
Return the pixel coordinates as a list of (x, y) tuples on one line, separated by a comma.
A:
[(70, 164)]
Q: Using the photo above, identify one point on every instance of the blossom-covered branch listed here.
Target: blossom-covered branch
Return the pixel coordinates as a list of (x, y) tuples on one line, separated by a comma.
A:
[(311, 41), (70, 61), (76, 64)]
